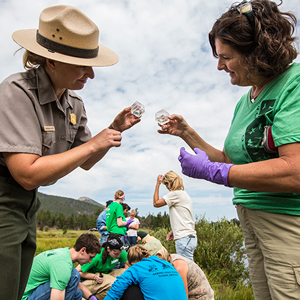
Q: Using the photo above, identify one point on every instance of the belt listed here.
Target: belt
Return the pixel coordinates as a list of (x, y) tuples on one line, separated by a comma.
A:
[(4, 172), (115, 234)]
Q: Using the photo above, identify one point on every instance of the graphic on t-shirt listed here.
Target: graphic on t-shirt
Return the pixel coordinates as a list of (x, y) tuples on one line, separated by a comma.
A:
[(152, 268), (253, 136), (167, 267)]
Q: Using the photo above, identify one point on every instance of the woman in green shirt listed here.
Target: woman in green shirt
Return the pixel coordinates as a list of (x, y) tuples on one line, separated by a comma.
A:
[(254, 44), (98, 273)]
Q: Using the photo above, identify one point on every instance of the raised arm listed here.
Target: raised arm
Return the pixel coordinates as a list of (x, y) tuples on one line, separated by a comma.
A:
[(123, 121), (178, 126), (158, 202)]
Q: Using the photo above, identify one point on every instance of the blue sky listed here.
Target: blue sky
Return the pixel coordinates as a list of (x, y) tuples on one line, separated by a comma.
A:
[(165, 63)]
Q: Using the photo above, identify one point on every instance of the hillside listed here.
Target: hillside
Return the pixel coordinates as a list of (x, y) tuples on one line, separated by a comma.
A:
[(68, 206)]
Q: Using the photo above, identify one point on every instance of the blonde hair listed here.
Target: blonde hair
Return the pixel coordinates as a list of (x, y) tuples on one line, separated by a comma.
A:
[(163, 253), (118, 194), (32, 61), (133, 211), (172, 181), (136, 253), (147, 238)]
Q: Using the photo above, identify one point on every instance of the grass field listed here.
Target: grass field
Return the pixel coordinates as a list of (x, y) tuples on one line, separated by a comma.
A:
[(53, 239)]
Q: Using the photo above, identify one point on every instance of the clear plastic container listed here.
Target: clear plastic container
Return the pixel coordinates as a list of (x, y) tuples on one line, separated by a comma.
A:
[(162, 117), (137, 109)]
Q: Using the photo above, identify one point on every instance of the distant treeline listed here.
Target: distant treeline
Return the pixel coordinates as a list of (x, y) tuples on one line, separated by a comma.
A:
[(85, 222)]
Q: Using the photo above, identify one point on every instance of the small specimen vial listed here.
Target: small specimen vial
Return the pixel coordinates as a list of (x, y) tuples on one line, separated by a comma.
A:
[(137, 109), (162, 117)]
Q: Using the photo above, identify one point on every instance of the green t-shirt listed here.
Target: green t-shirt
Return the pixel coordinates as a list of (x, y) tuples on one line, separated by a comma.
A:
[(277, 105), (114, 211), (96, 266), (54, 265)]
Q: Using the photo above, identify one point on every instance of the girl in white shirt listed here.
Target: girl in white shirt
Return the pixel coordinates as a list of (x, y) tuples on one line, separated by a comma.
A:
[(180, 211), (133, 228)]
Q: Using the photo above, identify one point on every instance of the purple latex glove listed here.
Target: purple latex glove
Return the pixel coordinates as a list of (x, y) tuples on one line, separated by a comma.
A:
[(200, 166), (128, 223), (93, 298)]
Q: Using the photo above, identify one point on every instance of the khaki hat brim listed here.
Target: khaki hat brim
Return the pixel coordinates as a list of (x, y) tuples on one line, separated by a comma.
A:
[(26, 38)]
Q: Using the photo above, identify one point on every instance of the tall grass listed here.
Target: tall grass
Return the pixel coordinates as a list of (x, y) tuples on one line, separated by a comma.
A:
[(228, 292)]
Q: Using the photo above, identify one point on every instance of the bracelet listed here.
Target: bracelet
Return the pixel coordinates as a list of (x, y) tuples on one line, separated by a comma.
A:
[(111, 126), (90, 296)]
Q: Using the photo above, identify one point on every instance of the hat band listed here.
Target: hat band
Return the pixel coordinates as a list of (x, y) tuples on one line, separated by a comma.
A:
[(64, 49)]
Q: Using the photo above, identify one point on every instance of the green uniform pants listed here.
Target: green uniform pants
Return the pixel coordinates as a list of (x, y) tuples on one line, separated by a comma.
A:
[(18, 209)]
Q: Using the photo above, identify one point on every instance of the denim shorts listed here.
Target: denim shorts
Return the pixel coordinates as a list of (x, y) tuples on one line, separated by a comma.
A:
[(186, 246)]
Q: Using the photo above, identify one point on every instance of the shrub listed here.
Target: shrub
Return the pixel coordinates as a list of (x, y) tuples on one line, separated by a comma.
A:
[(161, 234), (65, 229), (220, 251)]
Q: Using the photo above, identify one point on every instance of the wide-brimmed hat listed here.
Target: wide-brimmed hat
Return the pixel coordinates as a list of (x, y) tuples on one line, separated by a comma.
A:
[(67, 35)]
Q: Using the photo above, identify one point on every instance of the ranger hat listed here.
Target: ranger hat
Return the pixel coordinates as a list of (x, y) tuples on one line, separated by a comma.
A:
[(67, 35)]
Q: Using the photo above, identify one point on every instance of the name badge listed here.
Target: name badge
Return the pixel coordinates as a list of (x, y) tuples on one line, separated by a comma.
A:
[(73, 119), (114, 261), (49, 128)]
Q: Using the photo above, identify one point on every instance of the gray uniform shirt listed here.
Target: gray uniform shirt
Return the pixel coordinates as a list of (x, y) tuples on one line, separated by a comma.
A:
[(32, 120)]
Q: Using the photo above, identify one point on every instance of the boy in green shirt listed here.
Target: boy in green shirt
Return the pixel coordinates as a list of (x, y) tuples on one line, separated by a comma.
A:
[(53, 276)]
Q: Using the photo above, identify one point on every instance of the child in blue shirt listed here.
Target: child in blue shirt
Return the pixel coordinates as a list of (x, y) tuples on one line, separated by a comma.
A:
[(151, 274)]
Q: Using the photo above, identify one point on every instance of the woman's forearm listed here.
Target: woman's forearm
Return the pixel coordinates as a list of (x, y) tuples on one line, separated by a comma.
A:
[(32, 171), (278, 175), (156, 194), (194, 140), (136, 227)]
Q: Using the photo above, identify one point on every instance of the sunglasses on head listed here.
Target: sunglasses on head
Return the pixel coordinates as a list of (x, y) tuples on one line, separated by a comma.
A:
[(245, 8)]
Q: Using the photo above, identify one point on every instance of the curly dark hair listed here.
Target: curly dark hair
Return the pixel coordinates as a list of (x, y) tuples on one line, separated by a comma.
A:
[(267, 44)]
